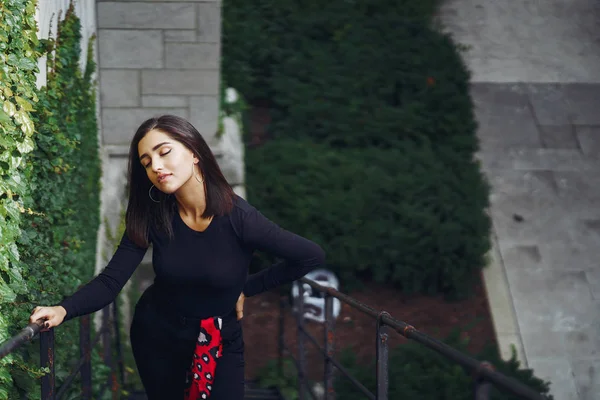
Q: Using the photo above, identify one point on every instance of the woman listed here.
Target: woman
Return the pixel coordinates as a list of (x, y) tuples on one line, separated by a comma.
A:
[(186, 335)]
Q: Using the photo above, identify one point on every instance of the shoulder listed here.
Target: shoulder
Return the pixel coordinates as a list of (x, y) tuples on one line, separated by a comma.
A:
[(241, 207), (244, 216)]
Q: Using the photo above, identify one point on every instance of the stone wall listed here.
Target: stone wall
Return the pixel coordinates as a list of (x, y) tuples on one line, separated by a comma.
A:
[(158, 58)]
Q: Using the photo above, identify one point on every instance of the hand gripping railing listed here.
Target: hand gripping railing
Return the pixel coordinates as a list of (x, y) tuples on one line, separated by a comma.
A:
[(483, 372), (84, 366)]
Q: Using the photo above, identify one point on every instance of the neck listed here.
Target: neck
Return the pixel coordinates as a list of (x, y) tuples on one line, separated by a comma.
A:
[(191, 199)]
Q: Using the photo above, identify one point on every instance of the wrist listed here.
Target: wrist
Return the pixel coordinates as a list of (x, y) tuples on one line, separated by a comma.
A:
[(62, 310)]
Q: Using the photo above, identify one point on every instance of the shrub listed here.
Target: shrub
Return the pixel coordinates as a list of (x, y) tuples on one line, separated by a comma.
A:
[(380, 81), (258, 36), (377, 99), (402, 215)]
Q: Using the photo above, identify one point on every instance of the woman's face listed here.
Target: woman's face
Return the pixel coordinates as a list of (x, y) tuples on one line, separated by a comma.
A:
[(168, 163)]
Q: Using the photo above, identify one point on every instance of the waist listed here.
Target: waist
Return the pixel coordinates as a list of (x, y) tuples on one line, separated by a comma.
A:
[(186, 310), (178, 323)]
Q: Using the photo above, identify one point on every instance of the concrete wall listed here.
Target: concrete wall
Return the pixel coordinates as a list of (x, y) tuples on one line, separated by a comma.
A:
[(49, 12)]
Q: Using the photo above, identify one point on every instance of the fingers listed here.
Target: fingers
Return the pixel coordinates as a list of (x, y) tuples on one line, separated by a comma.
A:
[(43, 313), (239, 307)]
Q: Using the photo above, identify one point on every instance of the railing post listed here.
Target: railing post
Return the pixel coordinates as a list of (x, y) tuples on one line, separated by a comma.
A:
[(482, 386), (281, 338), (329, 332), (85, 350), (300, 340), (47, 361), (382, 358), (107, 351), (118, 343)]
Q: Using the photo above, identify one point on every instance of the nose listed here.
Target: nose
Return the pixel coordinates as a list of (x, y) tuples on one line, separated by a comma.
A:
[(156, 165)]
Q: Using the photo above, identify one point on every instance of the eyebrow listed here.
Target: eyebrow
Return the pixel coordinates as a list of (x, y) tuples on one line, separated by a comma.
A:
[(153, 149)]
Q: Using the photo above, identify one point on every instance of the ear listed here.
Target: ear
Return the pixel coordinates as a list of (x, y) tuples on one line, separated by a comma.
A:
[(196, 161)]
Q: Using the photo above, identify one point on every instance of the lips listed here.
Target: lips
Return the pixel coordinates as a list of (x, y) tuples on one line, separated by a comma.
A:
[(163, 177)]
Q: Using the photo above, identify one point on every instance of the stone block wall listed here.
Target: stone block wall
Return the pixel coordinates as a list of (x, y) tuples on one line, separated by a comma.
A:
[(158, 57)]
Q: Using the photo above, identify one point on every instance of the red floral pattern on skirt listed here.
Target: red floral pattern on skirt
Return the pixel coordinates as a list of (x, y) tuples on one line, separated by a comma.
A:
[(209, 347)]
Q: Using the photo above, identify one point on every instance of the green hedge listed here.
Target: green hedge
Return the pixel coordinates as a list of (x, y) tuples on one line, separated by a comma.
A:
[(258, 36), (397, 215), (376, 85), (372, 137), (57, 244)]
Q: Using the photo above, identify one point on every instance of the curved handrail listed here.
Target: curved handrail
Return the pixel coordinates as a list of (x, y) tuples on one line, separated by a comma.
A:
[(25, 335), (83, 365), (483, 372)]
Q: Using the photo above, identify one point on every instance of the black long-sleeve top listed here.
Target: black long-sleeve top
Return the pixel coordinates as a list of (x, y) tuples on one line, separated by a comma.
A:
[(201, 274)]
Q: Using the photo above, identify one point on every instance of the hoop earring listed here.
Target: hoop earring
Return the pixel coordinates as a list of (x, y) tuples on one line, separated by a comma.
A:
[(150, 194), (196, 176)]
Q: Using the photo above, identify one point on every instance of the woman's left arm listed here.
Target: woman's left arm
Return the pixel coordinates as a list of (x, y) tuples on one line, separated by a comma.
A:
[(301, 255)]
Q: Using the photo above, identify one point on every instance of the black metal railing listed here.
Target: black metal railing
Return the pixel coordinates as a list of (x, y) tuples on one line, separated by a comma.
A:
[(483, 372), (83, 367)]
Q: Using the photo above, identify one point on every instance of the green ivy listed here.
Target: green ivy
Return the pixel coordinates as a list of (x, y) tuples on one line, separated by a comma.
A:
[(57, 237), (18, 65)]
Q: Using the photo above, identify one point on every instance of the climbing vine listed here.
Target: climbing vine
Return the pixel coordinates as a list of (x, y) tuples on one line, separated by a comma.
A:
[(50, 186), (18, 65)]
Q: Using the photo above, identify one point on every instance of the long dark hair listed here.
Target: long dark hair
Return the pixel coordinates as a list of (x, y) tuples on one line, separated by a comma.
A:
[(142, 212)]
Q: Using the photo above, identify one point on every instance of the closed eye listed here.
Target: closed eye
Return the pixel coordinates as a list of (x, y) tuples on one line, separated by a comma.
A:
[(162, 155)]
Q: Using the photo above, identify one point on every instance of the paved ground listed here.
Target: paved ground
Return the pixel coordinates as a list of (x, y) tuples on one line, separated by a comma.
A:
[(528, 40), (540, 149)]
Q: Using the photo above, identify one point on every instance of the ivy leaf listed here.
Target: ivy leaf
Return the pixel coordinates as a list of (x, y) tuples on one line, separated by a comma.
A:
[(13, 253), (22, 118), (7, 92), (9, 108), (25, 104), (4, 376), (12, 211), (3, 394), (26, 146), (26, 64), (4, 263), (17, 283), (6, 293), (3, 329), (4, 118), (12, 58)]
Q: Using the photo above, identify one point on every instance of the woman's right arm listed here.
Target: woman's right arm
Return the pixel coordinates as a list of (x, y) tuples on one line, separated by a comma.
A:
[(100, 291)]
